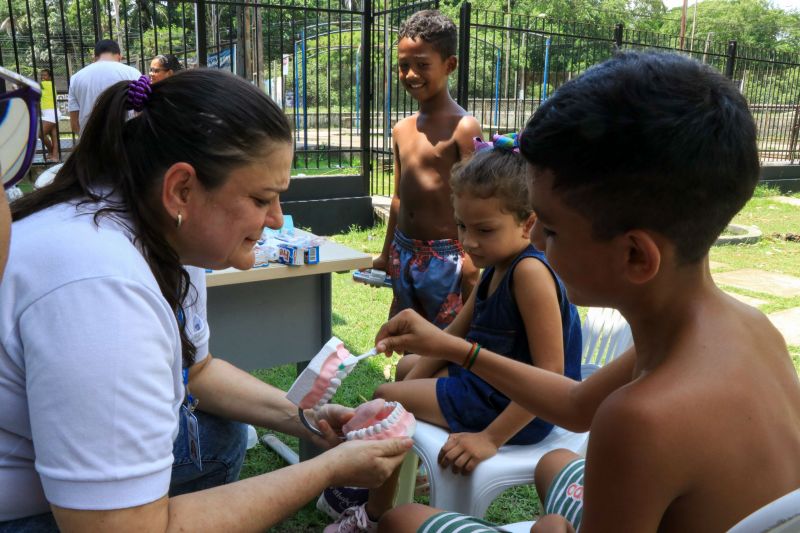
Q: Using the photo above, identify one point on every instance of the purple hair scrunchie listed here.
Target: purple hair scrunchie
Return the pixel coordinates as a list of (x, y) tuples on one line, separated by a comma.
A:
[(138, 93)]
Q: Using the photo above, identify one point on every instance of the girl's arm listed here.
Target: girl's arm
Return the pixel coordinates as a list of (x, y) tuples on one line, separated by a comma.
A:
[(537, 300), (427, 367)]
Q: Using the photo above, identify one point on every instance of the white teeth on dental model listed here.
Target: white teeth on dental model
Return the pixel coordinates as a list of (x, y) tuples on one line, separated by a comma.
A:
[(341, 374), (370, 431), (377, 428), (385, 424), (335, 382)]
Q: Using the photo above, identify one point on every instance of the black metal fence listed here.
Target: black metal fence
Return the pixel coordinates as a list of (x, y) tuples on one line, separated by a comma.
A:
[(343, 96), (512, 63), (306, 57)]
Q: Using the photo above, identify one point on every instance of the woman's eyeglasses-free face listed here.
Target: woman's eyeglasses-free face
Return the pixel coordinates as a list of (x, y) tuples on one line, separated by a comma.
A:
[(19, 112)]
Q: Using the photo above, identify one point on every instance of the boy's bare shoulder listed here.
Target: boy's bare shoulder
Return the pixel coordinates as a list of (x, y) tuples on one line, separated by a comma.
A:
[(405, 124), (468, 127)]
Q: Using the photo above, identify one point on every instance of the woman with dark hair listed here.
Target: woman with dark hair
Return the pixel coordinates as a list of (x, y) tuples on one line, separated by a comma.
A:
[(103, 340), (163, 66)]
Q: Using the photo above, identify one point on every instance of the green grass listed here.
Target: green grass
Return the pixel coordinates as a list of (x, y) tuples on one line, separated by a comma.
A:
[(325, 164), (359, 311), (771, 253)]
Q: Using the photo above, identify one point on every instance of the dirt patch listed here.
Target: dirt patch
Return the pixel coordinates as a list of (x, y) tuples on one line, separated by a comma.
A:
[(790, 237)]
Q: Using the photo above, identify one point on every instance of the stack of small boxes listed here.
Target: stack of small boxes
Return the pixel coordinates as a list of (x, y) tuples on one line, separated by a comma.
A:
[(283, 246)]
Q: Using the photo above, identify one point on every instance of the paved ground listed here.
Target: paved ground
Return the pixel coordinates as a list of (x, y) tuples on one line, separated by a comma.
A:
[(787, 321)]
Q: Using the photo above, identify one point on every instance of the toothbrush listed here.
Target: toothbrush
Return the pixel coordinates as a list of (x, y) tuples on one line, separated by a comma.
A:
[(353, 359)]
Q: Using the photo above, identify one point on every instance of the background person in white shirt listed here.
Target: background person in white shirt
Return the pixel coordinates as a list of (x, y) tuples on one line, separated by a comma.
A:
[(88, 83)]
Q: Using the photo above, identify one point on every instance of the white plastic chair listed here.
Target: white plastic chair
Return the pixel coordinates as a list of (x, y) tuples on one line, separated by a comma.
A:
[(606, 335), (779, 516)]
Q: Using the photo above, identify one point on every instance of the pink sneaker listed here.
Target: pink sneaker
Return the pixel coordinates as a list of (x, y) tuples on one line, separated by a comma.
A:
[(353, 520)]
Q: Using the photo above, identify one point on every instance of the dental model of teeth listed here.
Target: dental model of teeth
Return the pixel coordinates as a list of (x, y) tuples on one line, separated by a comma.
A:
[(315, 385), (378, 420)]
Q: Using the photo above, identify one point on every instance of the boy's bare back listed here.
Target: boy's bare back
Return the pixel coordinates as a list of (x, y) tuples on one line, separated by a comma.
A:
[(708, 433), (427, 145)]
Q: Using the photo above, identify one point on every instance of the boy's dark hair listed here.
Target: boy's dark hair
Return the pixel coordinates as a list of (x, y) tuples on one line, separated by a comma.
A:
[(650, 141), (497, 173), (122, 162), (432, 27), (43, 70), (169, 62), (106, 45)]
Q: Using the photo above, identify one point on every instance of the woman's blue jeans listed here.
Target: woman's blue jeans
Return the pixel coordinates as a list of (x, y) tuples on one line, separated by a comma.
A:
[(222, 448)]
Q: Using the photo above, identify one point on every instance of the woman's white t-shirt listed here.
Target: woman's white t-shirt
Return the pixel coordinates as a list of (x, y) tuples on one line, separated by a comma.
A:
[(90, 367)]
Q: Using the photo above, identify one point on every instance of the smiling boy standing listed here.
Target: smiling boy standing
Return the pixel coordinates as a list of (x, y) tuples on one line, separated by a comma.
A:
[(429, 270)]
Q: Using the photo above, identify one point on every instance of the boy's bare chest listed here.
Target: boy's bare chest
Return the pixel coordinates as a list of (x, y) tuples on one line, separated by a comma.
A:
[(419, 155)]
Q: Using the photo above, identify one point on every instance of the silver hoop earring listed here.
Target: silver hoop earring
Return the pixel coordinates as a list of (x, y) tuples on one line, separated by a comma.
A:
[(179, 221)]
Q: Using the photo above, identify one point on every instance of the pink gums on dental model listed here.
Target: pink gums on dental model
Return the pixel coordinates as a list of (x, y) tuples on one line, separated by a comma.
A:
[(378, 420), (315, 386)]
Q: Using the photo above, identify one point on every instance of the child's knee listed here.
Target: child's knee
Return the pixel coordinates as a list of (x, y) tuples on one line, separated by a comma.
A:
[(384, 391), (404, 518), (548, 468), (404, 366)]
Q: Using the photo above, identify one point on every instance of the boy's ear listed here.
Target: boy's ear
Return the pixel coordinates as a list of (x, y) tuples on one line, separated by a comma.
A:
[(450, 64), (179, 182), (642, 256)]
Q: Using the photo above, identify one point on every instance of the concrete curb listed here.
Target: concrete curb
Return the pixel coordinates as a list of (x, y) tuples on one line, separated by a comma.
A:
[(741, 235)]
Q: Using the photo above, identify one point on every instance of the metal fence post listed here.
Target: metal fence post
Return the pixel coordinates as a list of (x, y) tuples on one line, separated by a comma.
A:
[(200, 32), (462, 92), (366, 92), (98, 29), (619, 29), (730, 62)]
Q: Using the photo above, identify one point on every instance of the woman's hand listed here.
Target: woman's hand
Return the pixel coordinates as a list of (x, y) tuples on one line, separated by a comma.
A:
[(408, 332), (366, 463), (329, 419), (465, 450)]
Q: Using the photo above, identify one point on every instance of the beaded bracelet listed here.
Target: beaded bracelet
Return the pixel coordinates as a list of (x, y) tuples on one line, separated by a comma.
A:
[(469, 354), (474, 356)]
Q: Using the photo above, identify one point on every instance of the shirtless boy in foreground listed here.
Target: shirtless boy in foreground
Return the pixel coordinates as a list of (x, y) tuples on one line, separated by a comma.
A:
[(430, 272), (636, 168)]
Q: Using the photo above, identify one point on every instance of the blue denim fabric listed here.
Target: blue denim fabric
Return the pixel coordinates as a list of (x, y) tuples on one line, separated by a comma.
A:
[(222, 445), (468, 403), (41, 523)]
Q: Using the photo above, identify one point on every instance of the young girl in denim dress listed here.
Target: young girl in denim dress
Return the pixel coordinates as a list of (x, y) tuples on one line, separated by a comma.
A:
[(519, 309)]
